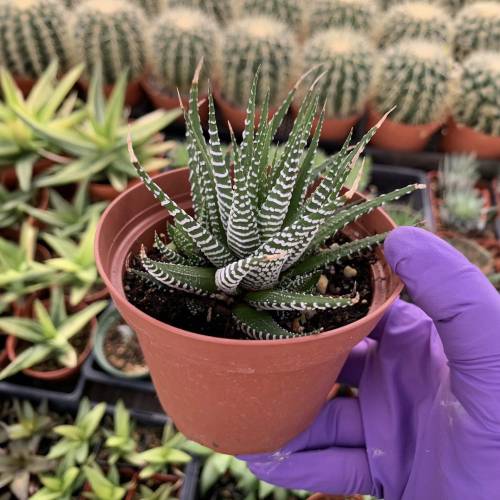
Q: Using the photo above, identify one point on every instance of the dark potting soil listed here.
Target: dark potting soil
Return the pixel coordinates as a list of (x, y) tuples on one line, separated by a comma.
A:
[(123, 351), (213, 317), (79, 342)]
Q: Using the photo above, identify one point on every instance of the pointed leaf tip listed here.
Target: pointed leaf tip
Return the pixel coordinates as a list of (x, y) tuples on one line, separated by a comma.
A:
[(130, 148), (197, 71)]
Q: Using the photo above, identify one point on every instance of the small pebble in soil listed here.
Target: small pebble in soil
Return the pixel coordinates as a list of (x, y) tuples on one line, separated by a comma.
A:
[(350, 272)]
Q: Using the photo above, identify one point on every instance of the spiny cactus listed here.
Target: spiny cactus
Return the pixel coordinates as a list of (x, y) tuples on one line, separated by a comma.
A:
[(256, 42), (254, 242), (351, 14), (152, 8), (33, 33), (222, 10), (290, 12), (414, 20), (347, 59), (462, 204), (415, 77), (451, 6), (180, 39), (477, 104), (477, 27), (110, 33)]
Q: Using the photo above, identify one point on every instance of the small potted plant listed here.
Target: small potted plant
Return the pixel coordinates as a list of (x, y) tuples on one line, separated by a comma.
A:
[(216, 321), (252, 43), (415, 78), (111, 35), (49, 344), (101, 486), (346, 61), (475, 124), (180, 38), (116, 348), (100, 155), (62, 485)]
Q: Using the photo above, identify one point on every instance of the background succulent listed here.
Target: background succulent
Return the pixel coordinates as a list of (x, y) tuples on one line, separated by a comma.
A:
[(347, 59), (180, 38), (252, 43), (353, 14), (32, 35), (222, 10), (417, 78), (477, 104), (152, 8), (423, 20), (477, 27), (112, 34), (290, 12)]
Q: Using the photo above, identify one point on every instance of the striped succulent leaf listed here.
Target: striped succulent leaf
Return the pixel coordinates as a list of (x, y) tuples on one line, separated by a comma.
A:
[(262, 215)]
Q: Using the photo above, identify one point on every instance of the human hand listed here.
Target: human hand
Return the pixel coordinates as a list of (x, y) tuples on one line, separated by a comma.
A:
[(426, 424)]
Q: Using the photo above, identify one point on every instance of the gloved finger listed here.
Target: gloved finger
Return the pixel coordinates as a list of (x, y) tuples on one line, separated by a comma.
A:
[(338, 424), (333, 470), (353, 368), (465, 308)]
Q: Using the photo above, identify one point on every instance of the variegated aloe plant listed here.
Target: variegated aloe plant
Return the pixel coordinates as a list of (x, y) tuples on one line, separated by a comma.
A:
[(257, 239)]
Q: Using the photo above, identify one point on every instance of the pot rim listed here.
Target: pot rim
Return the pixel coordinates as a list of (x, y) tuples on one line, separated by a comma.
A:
[(119, 295)]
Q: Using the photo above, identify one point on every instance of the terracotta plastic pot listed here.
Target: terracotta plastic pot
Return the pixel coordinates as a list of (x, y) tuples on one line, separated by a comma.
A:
[(235, 396), (133, 93), (165, 101), (8, 177), (235, 115), (25, 85), (459, 138), (395, 136), (54, 375)]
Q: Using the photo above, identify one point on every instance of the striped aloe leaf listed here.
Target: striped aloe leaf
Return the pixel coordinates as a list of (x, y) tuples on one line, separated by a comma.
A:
[(256, 240)]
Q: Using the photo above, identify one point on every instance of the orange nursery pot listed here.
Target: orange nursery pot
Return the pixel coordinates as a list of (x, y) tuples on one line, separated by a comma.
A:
[(235, 396), (106, 192), (133, 93), (458, 138), (395, 136), (8, 176)]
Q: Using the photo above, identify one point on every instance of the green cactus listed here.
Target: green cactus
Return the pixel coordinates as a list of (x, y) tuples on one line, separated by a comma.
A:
[(414, 20), (351, 14), (451, 6), (477, 27), (417, 78), (110, 33), (180, 39), (256, 42), (290, 12), (477, 104), (347, 59), (33, 33), (222, 10), (152, 8)]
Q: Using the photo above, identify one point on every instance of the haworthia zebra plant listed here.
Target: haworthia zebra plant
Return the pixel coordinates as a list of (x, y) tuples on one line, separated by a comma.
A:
[(257, 240)]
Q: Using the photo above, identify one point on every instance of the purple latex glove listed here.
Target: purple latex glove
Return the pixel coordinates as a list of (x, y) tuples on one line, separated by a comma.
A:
[(426, 425)]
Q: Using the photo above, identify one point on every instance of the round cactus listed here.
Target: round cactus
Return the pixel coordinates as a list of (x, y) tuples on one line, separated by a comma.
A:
[(450, 5), (350, 14), (110, 33), (256, 42), (222, 10), (414, 20), (347, 60), (477, 27), (417, 78), (32, 34), (180, 39), (478, 100), (291, 12), (151, 7)]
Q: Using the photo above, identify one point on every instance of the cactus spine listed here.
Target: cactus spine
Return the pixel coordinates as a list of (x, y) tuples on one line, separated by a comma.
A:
[(347, 59), (477, 27), (152, 8), (180, 39), (290, 12), (33, 33), (222, 10), (478, 101), (350, 14), (110, 33), (414, 20), (256, 42), (417, 78)]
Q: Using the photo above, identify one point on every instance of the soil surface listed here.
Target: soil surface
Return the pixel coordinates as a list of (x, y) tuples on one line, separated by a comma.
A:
[(213, 317), (122, 350)]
